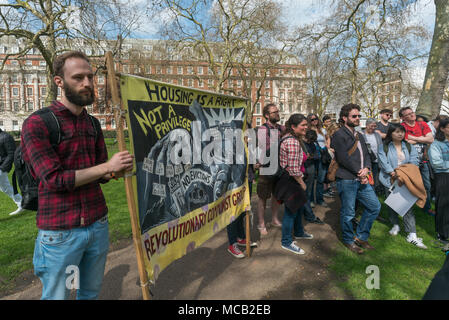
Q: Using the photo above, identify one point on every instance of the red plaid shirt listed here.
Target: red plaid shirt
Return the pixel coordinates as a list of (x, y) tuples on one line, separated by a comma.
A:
[(291, 155), (61, 205)]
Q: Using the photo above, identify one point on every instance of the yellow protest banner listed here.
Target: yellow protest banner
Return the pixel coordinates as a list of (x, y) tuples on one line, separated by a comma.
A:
[(191, 165)]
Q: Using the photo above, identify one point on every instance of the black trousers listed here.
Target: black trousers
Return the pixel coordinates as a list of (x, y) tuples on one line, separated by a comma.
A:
[(442, 205)]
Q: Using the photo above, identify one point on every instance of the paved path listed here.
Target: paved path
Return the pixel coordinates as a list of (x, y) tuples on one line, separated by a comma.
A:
[(210, 272)]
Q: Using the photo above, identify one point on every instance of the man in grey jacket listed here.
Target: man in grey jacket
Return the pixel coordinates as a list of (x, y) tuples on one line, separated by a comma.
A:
[(352, 180), (7, 148)]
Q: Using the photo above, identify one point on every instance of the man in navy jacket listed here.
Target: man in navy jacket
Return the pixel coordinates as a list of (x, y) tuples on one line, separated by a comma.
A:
[(352, 180)]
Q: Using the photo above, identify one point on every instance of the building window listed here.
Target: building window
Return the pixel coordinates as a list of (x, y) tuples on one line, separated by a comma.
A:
[(42, 79), (14, 78), (15, 105), (210, 83), (200, 70), (158, 70), (387, 99), (113, 123), (209, 71), (101, 79), (2, 107), (42, 63), (28, 63), (179, 70), (43, 91), (395, 98), (281, 106), (103, 123), (258, 108), (126, 69), (15, 92), (169, 70), (258, 121), (15, 125), (30, 106), (281, 94), (200, 83), (190, 83), (29, 91), (189, 70), (1, 91), (239, 83)]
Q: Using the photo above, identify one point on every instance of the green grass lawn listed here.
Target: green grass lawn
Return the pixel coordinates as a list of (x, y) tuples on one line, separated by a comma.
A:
[(18, 233), (405, 270)]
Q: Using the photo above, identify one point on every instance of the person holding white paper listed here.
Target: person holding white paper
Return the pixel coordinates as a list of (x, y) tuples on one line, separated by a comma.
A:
[(394, 152)]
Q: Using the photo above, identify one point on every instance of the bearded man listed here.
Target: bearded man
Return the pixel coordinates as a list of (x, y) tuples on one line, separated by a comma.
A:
[(354, 165), (73, 238)]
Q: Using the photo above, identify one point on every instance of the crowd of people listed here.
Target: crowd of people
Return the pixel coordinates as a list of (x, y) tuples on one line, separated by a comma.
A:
[(370, 162), (317, 157)]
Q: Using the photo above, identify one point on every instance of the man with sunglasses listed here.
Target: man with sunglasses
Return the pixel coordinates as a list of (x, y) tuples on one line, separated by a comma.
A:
[(419, 135), (383, 124), (354, 165)]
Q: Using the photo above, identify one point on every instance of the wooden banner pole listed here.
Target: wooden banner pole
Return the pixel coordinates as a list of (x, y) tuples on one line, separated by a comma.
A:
[(118, 108), (248, 234)]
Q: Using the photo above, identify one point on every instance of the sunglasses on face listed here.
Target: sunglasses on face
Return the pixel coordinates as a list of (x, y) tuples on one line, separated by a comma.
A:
[(313, 119), (388, 115), (356, 116)]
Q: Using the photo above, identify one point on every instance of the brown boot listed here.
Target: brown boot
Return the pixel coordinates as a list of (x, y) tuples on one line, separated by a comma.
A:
[(354, 248), (363, 244)]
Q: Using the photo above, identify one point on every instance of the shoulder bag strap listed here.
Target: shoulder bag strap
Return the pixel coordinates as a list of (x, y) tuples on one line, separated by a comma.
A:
[(352, 150)]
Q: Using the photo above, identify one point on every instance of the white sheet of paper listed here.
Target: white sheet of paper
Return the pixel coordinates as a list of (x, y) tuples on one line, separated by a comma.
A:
[(400, 199)]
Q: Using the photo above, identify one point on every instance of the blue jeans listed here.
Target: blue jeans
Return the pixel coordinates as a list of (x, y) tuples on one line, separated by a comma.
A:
[(425, 174), (309, 215), (349, 191), (59, 254), (321, 175), (236, 229), (291, 222)]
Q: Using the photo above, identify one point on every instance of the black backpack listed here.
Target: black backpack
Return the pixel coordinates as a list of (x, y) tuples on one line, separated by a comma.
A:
[(21, 176)]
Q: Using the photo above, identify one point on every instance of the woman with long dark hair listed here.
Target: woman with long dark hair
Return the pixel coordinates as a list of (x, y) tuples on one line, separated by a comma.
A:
[(394, 152), (314, 123), (439, 159), (290, 189)]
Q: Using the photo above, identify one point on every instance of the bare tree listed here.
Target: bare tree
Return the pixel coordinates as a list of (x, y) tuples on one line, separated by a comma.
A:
[(236, 36), (49, 26), (437, 71), (370, 40)]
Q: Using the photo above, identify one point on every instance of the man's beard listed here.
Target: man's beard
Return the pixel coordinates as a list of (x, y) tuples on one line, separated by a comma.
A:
[(274, 119), (351, 124), (78, 99)]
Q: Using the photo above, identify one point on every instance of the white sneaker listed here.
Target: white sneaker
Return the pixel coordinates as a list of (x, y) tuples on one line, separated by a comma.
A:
[(416, 241), (395, 230), (19, 210)]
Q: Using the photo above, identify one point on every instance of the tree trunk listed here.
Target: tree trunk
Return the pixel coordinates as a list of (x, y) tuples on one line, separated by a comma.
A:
[(438, 66)]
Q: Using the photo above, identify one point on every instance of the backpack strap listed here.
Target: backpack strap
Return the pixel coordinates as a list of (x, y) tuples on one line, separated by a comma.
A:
[(385, 148), (96, 125), (52, 124), (409, 147)]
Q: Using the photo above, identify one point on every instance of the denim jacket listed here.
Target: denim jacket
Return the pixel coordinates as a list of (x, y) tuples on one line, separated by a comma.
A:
[(439, 156), (389, 162)]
